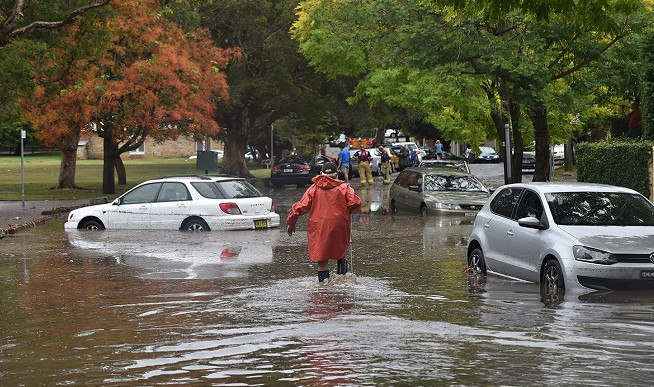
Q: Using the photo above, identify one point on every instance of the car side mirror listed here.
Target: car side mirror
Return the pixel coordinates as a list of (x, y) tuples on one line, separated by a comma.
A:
[(531, 222), (116, 202)]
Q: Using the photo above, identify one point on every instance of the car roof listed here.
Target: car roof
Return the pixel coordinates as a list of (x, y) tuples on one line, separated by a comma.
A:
[(197, 178), (435, 170), (554, 186)]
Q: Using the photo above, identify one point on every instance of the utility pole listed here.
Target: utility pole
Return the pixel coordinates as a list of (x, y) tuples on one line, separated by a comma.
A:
[(272, 158), (23, 134)]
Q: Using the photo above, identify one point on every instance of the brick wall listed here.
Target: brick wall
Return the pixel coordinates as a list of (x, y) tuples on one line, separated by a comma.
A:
[(181, 147)]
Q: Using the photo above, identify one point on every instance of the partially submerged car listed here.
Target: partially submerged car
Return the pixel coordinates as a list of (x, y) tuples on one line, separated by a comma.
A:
[(434, 190), (564, 235), (187, 202)]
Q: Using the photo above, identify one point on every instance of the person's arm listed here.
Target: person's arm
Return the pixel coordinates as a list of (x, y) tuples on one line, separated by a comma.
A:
[(353, 200), (299, 208)]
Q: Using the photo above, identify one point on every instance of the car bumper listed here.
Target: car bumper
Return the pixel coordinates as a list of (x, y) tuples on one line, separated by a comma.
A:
[(615, 277), (241, 222)]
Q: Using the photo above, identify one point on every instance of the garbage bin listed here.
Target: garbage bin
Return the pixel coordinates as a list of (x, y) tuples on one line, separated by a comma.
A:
[(207, 161)]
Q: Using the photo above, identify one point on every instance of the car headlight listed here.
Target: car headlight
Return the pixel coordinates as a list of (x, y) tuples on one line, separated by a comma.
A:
[(586, 254), (446, 206)]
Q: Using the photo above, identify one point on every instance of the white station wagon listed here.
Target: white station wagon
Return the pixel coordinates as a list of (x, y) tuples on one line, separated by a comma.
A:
[(182, 203)]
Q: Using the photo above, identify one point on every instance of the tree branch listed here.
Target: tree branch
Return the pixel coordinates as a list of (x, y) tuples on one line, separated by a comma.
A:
[(9, 30)]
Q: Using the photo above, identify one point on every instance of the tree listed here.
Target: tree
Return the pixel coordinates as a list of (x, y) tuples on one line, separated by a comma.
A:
[(15, 26), (152, 80), (472, 64), (27, 29)]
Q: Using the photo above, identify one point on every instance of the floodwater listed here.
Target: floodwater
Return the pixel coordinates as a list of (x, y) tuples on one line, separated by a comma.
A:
[(245, 309)]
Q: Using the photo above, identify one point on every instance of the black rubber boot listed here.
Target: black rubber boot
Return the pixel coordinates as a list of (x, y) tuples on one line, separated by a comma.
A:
[(341, 266), (322, 275)]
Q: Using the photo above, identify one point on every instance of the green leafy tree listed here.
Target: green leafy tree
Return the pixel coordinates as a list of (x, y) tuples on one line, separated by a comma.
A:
[(27, 29), (470, 66), (647, 55)]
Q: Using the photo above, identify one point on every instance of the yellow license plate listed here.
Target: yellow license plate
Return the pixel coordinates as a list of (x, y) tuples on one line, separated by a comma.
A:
[(261, 223)]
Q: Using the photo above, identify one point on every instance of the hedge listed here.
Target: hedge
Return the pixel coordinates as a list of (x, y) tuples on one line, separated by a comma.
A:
[(622, 162)]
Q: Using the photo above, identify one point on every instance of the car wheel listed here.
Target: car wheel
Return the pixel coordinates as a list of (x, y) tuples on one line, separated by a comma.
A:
[(393, 207), (91, 224), (552, 275), (423, 210), (477, 261), (195, 225)]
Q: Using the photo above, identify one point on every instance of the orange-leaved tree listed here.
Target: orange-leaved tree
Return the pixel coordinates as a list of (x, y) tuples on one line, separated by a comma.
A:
[(153, 80)]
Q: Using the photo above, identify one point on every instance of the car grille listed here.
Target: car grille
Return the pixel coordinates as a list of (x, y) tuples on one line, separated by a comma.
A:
[(471, 207), (633, 258)]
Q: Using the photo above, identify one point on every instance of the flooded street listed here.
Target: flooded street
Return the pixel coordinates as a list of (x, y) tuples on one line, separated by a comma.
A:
[(245, 308)]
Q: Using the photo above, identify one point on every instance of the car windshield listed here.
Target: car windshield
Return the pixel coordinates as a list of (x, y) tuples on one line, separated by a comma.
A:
[(600, 209), (453, 183), (228, 189)]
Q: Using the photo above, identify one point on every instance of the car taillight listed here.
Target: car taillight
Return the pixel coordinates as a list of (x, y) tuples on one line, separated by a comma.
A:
[(274, 169), (272, 206), (230, 208), (304, 168)]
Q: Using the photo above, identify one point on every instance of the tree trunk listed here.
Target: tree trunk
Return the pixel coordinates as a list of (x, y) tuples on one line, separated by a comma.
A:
[(68, 164), (108, 184), (542, 137), (518, 143), (234, 162), (120, 170)]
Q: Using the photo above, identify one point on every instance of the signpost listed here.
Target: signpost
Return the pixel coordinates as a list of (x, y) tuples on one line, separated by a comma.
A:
[(23, 135)]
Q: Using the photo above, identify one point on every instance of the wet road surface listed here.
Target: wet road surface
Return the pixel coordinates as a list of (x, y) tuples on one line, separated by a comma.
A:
[(245, 308)]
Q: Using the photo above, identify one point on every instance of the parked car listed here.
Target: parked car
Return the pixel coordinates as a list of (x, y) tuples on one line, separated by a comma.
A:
[(456, 164), (415, 154), (566, 235), (486, 154), (437, 190), (528, 161), (187, 202), (431, 155), (375, 163), (297, 169)]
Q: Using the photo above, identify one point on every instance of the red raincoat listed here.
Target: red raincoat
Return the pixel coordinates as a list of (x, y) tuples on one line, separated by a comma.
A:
[(330, 202)]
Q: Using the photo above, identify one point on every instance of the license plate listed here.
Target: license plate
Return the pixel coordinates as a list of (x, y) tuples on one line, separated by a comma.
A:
[(261, 223), (470, 214), (288, 170), (647, 274)]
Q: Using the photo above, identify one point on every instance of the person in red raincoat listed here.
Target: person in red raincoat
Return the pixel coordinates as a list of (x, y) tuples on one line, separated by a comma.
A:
[(330, 202)]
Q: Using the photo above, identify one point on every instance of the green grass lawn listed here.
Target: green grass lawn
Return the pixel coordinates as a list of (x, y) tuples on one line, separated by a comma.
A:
[(42, 173)]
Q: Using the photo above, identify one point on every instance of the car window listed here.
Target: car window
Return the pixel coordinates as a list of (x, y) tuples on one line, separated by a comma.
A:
[(530, 205), (143, 194), (172, 192), (600, 209), (504, 201), (208, 189), (453, 183), (403, 179), (414, 179), (236, 189)]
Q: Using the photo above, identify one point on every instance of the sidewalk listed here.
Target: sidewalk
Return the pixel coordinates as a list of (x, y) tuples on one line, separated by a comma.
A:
[(14, 216)]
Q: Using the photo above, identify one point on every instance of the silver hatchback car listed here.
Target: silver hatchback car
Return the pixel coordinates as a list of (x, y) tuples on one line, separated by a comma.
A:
[(566, 235), (433, 190)]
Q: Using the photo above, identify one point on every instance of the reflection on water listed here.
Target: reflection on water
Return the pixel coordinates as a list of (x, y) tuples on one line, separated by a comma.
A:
[(245, 308)]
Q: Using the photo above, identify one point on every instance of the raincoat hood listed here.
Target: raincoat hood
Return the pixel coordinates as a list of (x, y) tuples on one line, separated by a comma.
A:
[(326, 182)]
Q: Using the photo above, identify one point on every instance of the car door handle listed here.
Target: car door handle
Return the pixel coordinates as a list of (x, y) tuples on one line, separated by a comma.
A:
[(509, 233), (486, 225)]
